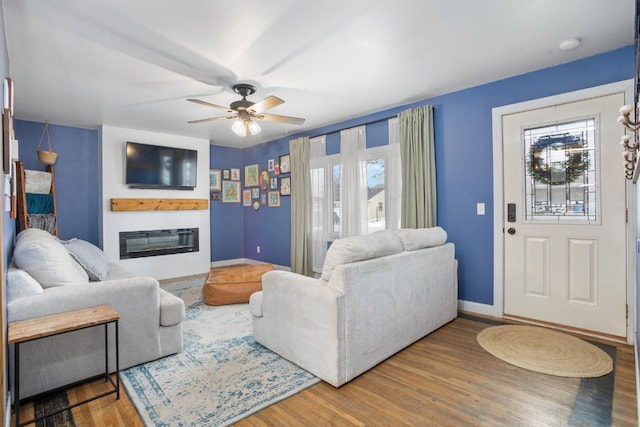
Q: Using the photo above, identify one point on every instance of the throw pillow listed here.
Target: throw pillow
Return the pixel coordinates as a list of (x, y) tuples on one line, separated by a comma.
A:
[(90, 257), (414, 239), (359, 248), (46, 260)]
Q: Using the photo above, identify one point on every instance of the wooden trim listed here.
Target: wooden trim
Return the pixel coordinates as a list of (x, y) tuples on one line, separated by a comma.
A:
[(22, 197), (159, 204), (52, 190)]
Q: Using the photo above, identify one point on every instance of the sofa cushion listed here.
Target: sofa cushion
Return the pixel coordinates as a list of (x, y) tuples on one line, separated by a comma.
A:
[(21, 284), (46, 260), (359, 248), (171, 309), (414, 239), (90, 257)]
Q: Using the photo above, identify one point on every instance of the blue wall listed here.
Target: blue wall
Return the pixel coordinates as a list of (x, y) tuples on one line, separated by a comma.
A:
[(463, 137), (463, 134), (77, 175), (269, 227), (227, 232)]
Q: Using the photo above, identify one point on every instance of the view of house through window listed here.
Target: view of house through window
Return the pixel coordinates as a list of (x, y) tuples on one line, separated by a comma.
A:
[(381, 170), (375, 194), (335, 199)]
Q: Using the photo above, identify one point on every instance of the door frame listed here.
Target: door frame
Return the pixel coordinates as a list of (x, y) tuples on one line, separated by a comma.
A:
[(625, 86)]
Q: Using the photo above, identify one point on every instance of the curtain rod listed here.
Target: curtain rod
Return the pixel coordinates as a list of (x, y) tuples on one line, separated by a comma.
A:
[(372, 122)]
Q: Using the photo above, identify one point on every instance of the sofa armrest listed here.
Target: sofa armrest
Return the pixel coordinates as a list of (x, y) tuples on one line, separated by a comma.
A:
[(302, 321), (137, 298)]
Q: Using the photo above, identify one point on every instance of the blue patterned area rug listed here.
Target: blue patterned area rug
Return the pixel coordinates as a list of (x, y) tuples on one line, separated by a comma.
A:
[(222, 375)]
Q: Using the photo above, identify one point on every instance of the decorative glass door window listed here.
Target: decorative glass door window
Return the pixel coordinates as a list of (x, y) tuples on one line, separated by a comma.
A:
[(561, 172)]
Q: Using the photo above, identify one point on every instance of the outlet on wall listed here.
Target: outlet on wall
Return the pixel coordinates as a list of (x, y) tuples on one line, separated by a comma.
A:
[(258, 249)]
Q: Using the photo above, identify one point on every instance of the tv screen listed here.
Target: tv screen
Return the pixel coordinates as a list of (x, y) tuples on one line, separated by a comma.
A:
[(154, 166)]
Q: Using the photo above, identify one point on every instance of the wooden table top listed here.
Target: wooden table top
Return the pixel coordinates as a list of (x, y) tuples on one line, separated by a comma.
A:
[(40, 327)]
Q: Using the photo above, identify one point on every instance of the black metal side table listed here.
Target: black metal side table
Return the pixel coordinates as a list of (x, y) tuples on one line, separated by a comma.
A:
[(33, 329)]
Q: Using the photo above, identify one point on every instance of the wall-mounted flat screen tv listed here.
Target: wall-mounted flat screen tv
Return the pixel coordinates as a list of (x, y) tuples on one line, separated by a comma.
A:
[(154, 166)]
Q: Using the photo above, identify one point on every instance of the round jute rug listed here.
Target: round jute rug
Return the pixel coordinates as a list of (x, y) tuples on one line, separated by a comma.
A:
[(546, 351)]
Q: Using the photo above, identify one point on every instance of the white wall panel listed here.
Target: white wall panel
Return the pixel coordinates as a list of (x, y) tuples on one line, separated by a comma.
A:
[(113, 172)]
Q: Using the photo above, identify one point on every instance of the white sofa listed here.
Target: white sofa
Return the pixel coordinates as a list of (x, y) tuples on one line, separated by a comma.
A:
[(377, 294), (48, 276)]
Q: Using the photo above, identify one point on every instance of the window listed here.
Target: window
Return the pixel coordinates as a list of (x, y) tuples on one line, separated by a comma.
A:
[(335, 180), (375, 193), (377, 188)]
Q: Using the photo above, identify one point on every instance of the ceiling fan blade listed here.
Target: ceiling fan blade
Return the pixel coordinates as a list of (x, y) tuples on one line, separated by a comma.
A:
[(208, 104), (280, 119), (265, 104), (211, 119)]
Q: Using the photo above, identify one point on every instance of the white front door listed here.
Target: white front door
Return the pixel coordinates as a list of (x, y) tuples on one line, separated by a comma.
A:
[(564, 216)]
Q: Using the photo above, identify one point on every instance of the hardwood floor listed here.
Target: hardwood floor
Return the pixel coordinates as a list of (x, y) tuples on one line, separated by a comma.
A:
[(445, 379)]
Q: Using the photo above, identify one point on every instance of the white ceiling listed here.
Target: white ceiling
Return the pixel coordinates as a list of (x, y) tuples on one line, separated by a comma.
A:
[(133, 63)]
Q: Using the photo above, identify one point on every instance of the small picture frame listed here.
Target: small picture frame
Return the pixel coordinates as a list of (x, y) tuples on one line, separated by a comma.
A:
[(215, 195), (215, 181), (255, 193), (285, 186), (251, 175), (274, 183), (271, 164), (264, 179), (276, 168), (226, 174), (263, 199), (235, 174), (246, 197), (285, 163), (230, 191), (274, 199)]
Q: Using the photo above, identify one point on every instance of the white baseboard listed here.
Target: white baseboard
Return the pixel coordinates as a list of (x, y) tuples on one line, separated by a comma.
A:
[(227, 262), (478, 308)]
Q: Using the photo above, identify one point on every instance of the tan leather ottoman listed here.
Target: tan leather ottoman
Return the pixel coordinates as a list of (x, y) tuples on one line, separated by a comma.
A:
[(234, 284)]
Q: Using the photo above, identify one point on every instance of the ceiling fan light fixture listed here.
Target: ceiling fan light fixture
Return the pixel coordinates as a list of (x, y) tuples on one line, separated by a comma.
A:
[(242, 127), (239, 128), (254, 128)]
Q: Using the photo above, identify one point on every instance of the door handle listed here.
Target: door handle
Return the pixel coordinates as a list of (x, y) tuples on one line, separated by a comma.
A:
[(511, 230)]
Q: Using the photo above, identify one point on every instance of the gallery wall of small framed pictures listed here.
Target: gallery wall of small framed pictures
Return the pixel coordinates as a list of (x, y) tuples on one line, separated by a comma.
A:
[(258, 186)]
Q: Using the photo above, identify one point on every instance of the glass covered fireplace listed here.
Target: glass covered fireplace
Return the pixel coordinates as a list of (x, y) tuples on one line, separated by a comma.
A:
[(144, 243)]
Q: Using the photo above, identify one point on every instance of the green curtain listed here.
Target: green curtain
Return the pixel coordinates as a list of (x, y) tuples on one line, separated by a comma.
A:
[(417, 153), (301, 215)]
